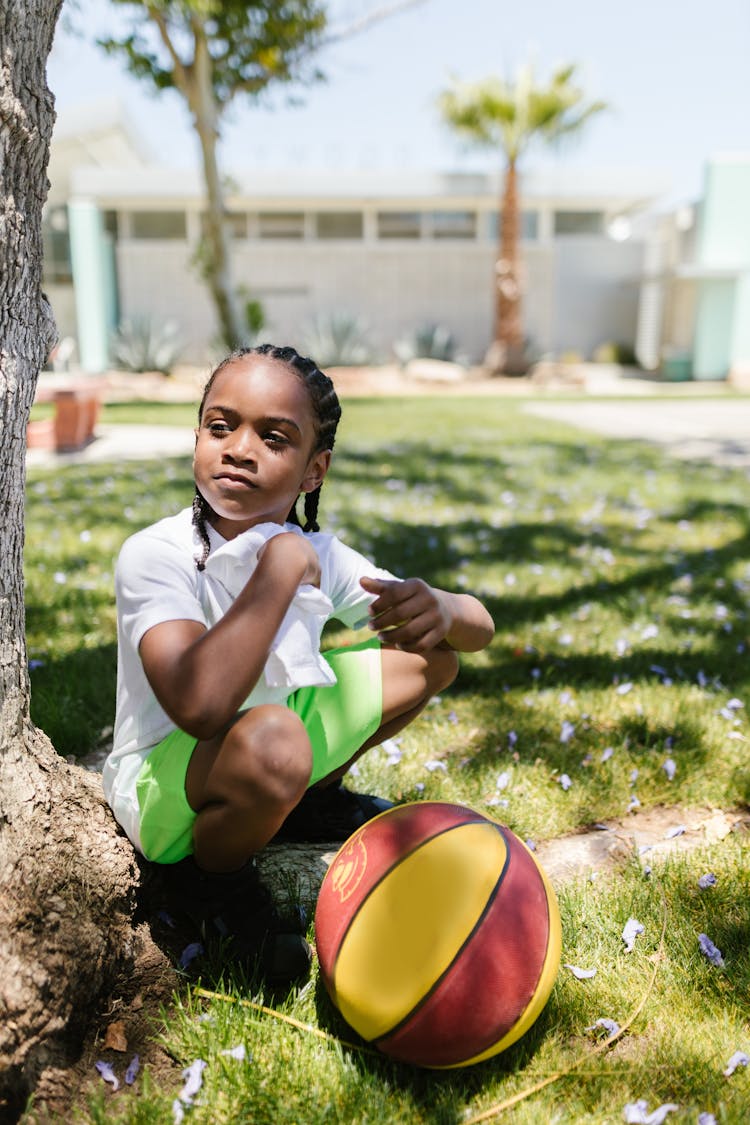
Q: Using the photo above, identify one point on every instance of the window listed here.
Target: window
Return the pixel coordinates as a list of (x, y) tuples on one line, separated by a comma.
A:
[(579, 222), (453, 224), (399, 224), (281, 224), (56, 246), (529, 226), (236, 221), (339, 224), (158, 224)]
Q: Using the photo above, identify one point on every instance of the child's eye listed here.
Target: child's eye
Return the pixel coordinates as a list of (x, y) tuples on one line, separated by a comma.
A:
[(276, 438), (218, 429)]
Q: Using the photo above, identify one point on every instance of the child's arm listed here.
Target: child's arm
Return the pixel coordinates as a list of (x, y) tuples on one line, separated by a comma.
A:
[(200, 676), (417, 617)]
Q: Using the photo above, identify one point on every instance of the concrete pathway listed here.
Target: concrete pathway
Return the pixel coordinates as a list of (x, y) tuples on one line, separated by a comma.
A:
[(716, 430), (120, 443)]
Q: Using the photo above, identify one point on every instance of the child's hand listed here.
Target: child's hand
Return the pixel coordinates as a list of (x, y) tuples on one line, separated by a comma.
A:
[(289, 549), (410, 615)]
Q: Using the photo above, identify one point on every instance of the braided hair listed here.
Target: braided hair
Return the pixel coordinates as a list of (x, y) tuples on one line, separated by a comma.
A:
[(326, 412)]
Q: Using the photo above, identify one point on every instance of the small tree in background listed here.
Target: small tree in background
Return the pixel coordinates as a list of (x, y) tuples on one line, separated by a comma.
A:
[(211, 52), (510, 116)]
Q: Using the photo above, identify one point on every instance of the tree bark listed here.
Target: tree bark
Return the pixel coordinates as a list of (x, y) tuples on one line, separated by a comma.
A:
[(508, 347), (67, 879)]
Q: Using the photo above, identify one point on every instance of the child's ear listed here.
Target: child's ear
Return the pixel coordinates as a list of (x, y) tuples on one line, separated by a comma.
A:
[(316, 470)]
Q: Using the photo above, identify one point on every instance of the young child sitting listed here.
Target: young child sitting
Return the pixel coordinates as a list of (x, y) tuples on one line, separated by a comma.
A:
[(232, 727)]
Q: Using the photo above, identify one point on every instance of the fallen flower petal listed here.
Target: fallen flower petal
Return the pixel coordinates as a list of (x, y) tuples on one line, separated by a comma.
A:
[(607, 753), (503, 780), (670, 768), (739, 1058), (636, 1113), (707, 880), (434, 764), (580, 974), (671, 833), (623, 689), (193, 1076), (706, 1119), (108, 1074), (709, 950), (735, 704), (631, 931), (237, 1052), (567, 731), (610, 1026), (178, 1113), (133, 1068), (189, 953), (565, 781)]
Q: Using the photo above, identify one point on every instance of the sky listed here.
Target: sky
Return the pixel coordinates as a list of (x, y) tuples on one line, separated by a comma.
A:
[(674, 74)]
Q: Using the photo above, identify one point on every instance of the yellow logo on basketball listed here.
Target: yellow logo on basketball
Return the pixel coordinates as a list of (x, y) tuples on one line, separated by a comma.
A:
[(349, 868)]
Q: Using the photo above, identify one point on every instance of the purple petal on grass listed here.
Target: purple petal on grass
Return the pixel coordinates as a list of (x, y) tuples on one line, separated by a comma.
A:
[(735, 704), (633, 776), (452, 717), (565, 781), (512, 738), (709, 950), (108, 1074), (610, 1026), (178, 1112), (707, 880), (165, 917), (623, 689), (133, 1067), (34, 664), (434, 764), (672, 833), (706, 1119), (631, 931), (739, 1058), (649, 632), (237, 1052), (503, 780), (636, 1113), (189, 953), (607, 753), (670, 768), (567, 731), (580, 974), (633, 803), (530, 845), (193, 1076)]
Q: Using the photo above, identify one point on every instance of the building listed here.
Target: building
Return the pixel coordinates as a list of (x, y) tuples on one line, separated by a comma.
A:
[(395, 250)]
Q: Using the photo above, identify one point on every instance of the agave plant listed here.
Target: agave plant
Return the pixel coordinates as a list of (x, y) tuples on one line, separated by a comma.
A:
[(430, 341), (141, 345), (338, 340)]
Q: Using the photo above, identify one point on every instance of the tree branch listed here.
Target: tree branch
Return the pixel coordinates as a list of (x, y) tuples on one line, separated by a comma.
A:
[(359, 25), (181, 76)]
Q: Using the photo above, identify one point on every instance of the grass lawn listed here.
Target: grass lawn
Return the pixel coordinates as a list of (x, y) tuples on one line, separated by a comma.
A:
[(619, 583)]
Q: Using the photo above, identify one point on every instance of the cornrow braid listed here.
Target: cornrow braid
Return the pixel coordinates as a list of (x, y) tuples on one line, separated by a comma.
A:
[(326, 410), (201, 510)]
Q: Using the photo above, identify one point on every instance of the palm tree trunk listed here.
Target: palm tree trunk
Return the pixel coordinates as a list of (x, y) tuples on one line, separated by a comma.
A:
[(508, 329)]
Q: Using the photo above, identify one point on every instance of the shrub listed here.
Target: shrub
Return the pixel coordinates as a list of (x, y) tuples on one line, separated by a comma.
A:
[(141, 345), (430, 341), (338, 340)]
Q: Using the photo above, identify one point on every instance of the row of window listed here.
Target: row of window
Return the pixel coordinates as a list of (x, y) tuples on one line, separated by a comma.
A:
[(298, 225)]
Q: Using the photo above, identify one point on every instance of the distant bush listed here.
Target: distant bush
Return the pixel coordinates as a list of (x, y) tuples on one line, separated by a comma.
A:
[(141, 345), (430, 341), (338, 340), (613, 352)]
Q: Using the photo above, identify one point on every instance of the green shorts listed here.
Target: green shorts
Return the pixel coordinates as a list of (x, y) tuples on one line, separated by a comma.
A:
[(339, 719)]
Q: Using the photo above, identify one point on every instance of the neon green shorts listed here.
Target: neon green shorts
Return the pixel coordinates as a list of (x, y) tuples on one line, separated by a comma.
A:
[(339, 719)]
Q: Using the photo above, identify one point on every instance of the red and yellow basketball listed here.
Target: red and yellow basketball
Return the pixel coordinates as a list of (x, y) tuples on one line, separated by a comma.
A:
[(438, 934)]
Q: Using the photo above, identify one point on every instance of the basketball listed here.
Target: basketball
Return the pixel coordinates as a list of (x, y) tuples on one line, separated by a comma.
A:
[(438, 935)]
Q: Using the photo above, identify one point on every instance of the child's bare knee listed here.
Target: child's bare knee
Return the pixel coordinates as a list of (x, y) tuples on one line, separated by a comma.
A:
[(275, 753), (442, 669)]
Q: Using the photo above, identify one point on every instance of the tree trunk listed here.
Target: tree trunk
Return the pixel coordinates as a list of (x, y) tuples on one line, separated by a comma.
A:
[(67, 878), (507, 352), (217, 261)]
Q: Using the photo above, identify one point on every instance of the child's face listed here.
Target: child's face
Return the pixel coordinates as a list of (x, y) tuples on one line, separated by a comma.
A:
[(254, 448)]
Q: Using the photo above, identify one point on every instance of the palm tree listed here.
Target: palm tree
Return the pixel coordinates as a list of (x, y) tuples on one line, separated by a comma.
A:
[(495, 113)]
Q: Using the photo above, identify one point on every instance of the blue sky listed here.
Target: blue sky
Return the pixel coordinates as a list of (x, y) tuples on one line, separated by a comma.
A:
[(674, 72)]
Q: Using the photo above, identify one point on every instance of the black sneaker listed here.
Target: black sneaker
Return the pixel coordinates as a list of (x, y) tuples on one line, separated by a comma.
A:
[(236, 911), (330, 814)]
